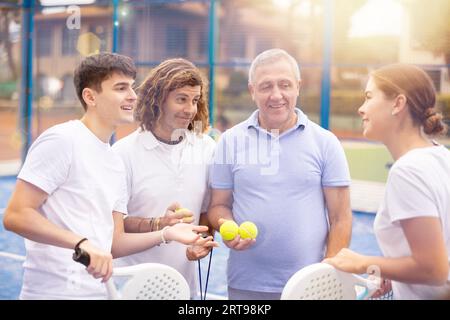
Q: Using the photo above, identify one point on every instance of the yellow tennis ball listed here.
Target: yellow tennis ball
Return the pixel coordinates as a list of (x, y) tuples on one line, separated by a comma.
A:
[(186, 219), (248, 230), (229, 230)]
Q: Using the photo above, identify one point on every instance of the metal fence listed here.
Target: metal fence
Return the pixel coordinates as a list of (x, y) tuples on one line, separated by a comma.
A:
[(41, 41)]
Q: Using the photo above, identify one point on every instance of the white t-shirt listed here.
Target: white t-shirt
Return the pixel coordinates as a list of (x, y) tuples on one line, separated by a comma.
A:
[(418, 186), (85, 182), (158, 175)]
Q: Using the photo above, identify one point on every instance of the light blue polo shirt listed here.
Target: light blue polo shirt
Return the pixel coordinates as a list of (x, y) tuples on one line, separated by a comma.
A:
[(277, 183)]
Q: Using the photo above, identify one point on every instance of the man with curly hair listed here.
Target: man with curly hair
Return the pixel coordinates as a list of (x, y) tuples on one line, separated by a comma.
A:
[(166, 160)]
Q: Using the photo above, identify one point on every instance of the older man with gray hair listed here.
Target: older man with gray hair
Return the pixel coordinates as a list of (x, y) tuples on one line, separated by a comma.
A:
[(286, 174)]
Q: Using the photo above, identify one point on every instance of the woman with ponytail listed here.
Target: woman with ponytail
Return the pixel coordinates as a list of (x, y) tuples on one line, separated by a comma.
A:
[(412, 225)]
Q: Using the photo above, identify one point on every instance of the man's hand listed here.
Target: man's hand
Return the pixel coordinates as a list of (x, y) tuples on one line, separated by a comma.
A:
[(100, 265), (175, 214), (237, 243)]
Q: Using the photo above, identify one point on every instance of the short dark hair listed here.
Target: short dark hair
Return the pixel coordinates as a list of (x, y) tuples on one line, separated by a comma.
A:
[(95, 69)]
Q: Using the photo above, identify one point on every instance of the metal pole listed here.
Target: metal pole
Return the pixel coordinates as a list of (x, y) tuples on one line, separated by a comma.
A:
[(115, 43), (26, 90), (212, 57), (326, 69), (115, 25)]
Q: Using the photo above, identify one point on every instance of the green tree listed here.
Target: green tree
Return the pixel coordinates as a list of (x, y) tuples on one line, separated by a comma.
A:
[(430, 25)]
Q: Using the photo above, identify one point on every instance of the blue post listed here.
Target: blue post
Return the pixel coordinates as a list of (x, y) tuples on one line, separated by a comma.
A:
[(115, 42), (326, 69), (212, 57), (115, 25), (26, 89)]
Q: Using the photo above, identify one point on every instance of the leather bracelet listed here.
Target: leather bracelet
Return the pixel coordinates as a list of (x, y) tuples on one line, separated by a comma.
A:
[(77, 246), (150, 223)]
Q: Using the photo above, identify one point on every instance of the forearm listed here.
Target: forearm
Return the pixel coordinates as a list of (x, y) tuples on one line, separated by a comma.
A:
[(129, 243), (217, 212), (405, 269), (338, 236), (337, 200), (137, 224), (204, 221), (31, 225), (140, 224)]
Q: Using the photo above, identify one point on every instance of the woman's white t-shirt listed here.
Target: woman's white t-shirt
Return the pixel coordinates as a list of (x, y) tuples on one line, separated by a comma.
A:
[(85, 182), (418, 185)]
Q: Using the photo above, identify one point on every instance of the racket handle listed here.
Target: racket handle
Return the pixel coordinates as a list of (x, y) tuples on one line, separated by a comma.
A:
[(81, 256)]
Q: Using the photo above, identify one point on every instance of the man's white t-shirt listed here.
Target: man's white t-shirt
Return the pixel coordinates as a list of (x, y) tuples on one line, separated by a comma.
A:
[(418, 186), (85, 182), (159, 174)]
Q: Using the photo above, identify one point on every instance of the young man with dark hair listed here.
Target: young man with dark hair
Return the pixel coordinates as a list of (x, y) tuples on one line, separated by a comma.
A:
[(70, 191)]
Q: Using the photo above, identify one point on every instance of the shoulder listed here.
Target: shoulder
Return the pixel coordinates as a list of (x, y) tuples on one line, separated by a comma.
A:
[(201, 144), (203, 139), (62, 135), (65, 129), (422, 161), (50, 157), (235, 131), (321, 137), (318, 131), (207, 142), (125, 144)]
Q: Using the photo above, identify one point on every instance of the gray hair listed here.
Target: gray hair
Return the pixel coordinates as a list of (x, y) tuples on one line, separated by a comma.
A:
[(270, 56)]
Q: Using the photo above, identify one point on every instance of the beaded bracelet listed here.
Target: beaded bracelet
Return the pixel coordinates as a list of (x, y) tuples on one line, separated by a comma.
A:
[(163, 239)]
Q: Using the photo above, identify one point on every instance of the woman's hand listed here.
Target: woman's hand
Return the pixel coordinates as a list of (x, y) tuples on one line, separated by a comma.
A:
[(348, 261), (184, 233), (201, 248), (385, 287)]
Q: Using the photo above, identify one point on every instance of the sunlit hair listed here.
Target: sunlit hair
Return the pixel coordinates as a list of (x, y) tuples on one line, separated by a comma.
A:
[(170, 75), (419, 91), (271, 56), (97, 68)]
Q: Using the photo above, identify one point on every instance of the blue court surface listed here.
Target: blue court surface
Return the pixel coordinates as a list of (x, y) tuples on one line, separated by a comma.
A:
[(363, 241)]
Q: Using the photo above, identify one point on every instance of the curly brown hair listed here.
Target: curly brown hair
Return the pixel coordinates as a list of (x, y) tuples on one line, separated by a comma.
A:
[(170, 75)]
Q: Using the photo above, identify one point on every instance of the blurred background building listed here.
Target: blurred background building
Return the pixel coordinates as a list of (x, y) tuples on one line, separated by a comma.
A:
[(339, 39)]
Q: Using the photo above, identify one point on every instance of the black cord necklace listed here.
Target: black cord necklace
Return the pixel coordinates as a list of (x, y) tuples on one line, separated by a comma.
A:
[(169, 142)]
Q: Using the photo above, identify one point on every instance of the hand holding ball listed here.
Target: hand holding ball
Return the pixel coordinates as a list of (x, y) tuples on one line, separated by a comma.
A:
[(188, 218), (248, 230), (229, 230)]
